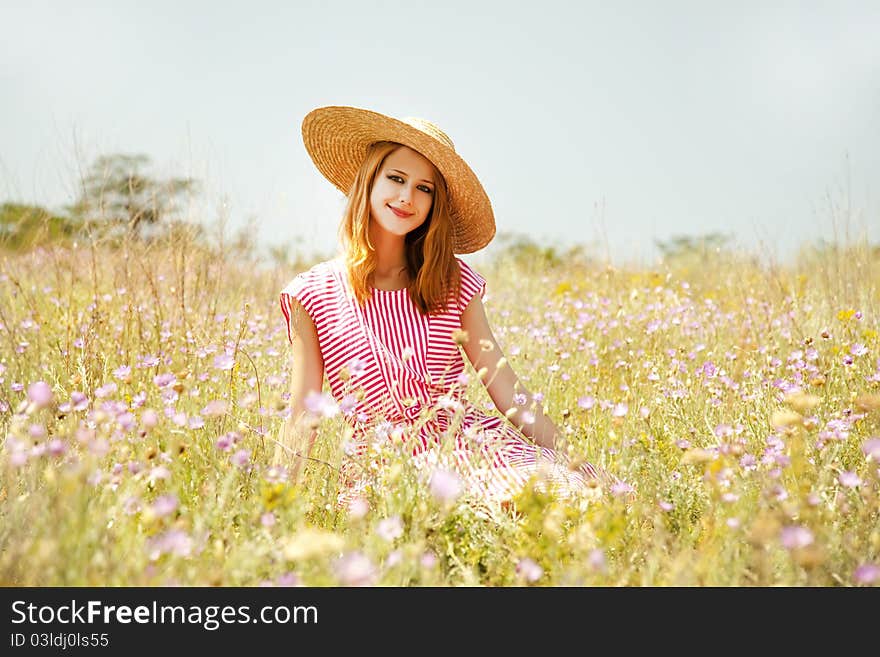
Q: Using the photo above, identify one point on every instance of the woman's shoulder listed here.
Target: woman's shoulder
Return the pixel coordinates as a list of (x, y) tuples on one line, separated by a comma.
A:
[(472, 283), (318, 275), (468, 273)]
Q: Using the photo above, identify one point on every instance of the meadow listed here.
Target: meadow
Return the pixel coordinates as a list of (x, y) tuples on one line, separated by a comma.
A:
[(142, 385)]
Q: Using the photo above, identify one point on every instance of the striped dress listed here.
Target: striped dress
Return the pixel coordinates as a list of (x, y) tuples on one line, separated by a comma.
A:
[(396, 373)]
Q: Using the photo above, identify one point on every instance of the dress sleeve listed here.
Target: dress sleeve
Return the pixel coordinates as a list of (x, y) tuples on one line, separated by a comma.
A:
[(298, 289), (471, 284)]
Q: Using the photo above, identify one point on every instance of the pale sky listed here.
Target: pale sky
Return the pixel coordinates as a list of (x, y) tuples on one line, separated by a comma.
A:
[(608, 123)]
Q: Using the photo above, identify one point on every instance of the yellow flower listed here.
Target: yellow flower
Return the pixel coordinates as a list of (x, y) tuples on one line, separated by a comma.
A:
[(846, 315)]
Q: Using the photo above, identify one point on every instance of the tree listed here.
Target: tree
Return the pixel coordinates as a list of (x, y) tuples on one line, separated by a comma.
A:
[(116, 193)]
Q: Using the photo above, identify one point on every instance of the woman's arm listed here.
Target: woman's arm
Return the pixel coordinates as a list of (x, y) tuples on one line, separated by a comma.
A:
[(306, 375), (501, 381)]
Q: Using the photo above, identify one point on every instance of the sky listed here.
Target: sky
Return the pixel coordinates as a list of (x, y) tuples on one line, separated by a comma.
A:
[(616, 125)]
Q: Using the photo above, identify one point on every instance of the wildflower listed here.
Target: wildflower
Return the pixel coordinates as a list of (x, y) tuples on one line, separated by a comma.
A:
[(621, 489), (164, 505), (867, 573), (793, 537), (241, 458), (106, 390), (596, 560), (355, 569), (348, 404), (215, 407), (224, 362), (858, 349), (157, 473), (358, 508), (123, 373), (289, 579), (849, 479), (149, 418), (267, 519), (428, 560), (40, 394), (321, 404), (356, 367), (871, 448), (586, 402), (529, 570), (445, 485), (172, 541), (390, 529), (620, 410)]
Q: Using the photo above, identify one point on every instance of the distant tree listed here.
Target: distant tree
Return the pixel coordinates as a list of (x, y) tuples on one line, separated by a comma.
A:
[(688, 246), (24, 227), (117, 193)]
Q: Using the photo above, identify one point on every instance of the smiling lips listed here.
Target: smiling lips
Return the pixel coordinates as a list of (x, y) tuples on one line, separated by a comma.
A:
[(401, 213)]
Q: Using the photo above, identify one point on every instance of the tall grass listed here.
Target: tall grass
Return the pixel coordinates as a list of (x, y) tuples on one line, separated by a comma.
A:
[(739, 399)]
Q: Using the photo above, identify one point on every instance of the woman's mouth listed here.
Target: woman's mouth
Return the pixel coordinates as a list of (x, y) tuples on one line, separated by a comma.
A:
[(400, 213)]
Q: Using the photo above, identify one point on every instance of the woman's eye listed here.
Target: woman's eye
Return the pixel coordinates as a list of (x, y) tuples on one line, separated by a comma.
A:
[(396, 179), (426, 189)]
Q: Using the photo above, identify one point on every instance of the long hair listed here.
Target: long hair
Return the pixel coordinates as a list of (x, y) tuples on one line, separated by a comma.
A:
[(430, 260)]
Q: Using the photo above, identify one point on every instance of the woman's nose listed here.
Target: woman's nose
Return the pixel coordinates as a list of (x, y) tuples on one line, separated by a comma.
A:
[(405, 194)]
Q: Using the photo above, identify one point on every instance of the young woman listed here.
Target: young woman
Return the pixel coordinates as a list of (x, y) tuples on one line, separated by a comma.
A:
[(387, 320)]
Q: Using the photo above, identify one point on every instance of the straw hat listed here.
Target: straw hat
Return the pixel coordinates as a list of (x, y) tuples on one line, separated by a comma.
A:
[(337, 139)]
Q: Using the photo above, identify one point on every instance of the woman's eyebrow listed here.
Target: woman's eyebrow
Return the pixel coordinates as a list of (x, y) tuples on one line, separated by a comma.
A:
[(427, 180)]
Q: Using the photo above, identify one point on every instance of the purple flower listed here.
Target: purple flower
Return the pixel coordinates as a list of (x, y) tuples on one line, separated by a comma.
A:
[(289, 579), (40, 394), (355, 569), (123, 372), (348, 404), (172, 541), (849, 479), (529, 569), (356, 367), (164, 505), (164, 380), (858, 349), (267, 519), (226, 441), (621, 489), (321, 404), (620, 410), (149, 418), (428, 560), (149, 361), (795, 536), (241, 458), (215, 407), (445, 485), (224, 362), (867, 573), (389, 529), (37, 431), (106, 390), (586, 402), (596, 560), (871, 448)]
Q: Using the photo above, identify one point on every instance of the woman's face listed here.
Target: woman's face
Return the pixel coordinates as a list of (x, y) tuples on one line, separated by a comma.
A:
[(402, 193)]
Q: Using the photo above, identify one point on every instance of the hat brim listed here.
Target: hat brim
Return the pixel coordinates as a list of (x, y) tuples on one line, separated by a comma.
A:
[(337, 139)]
